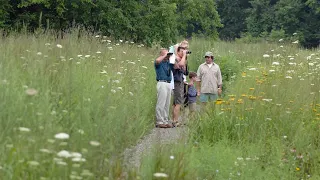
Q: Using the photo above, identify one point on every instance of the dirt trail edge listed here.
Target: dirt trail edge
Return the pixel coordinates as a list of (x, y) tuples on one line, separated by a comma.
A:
[(134, 155)]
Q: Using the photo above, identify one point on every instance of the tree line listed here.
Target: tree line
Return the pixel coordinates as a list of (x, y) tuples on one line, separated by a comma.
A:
[(162, 21)]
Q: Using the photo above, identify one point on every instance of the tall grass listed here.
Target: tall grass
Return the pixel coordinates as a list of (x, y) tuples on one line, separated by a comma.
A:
[(100, 93), (266, 126)]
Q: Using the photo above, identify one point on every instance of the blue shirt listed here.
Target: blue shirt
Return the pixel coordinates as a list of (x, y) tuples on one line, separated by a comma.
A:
[(192, 94), (163, 70)]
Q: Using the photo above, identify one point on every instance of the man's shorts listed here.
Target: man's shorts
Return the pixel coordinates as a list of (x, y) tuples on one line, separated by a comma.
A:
[(178, 96), (205, 97)]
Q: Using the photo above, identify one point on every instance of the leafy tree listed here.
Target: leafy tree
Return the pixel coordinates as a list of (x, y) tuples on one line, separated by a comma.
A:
[(233, 14), (5, 9), (260, 17), (301, 17), (198, 17)]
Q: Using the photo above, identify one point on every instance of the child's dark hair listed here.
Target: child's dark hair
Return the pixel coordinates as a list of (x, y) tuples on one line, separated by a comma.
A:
[(192, 74)]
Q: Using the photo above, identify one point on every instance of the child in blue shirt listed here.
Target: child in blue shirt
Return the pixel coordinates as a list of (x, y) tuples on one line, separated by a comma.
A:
[(192, 92)]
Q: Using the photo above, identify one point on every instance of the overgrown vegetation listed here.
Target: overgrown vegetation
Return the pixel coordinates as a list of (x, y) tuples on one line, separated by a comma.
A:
[(153, 21)]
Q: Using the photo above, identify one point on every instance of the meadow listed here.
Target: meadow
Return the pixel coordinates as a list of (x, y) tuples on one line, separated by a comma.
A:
[(69, 108)]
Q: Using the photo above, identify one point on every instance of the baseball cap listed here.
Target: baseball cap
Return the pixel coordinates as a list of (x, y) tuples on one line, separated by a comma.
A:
[(210, 54)]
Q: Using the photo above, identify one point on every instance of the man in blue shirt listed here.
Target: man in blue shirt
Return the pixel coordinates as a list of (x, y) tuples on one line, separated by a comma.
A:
[(163, 75)]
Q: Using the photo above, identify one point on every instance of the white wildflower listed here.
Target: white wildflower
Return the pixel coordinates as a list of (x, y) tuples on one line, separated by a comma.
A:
[(97, 36), (280, 40), (268, 100), (87, 56), (62, 136), (116, 81), (285, 137), (94, 143), (266, 55), (78, 159), (288, 77), (103, 72), (64, 154), (131, 94), (80, 131), (119, 73), (45, 151), (295, 42), (31, 92), (160, 175), (252, 69), (86, 173), (98, 52), (311, 64), (171, 157), (33, 163), (121, 40), (24, 129), (275, 63), (119, 88), (47, 44), (239, 158), (271, 70), (59, 45), (281, 46), (61, 163), (294, 34), (113, 91), (145, 67), (39, 53)]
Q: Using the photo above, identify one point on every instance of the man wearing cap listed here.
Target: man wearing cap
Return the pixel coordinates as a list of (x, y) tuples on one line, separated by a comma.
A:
[(163, 76), (209, 81)]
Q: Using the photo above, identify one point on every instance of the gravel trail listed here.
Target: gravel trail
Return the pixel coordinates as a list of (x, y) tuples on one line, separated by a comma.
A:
[(133, 156)]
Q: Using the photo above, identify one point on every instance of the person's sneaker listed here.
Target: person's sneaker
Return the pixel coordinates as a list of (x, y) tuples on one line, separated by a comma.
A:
[(164, 126)]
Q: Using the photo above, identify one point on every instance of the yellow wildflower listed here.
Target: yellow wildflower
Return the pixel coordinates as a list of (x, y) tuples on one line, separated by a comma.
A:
[(252, 97), (251, 89), (243, 95), (219, 101), (240, 101), (231, 99), (297, 169), (243, 74), (314, 110)]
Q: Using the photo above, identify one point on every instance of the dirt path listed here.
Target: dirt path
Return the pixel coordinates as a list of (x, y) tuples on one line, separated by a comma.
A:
[(133, 156)]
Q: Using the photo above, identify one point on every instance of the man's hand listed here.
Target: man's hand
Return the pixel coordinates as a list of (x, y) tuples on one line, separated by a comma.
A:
[(185, 52), (219, 91), (198, 93)]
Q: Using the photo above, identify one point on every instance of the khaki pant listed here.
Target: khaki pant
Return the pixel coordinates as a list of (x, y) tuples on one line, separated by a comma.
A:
[(163, 102)]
